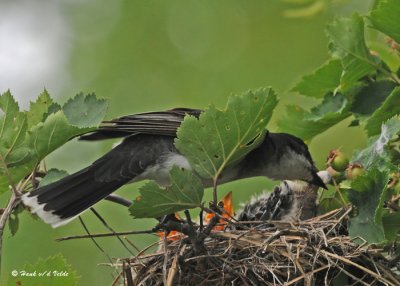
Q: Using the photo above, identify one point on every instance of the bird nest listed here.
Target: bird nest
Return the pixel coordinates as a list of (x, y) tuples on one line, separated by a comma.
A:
[(311, 252)]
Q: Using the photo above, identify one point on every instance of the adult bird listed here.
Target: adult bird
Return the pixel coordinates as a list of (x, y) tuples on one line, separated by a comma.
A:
[(148, 152)]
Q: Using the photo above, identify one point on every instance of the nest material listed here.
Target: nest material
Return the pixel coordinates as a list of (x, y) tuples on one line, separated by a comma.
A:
[(311, 252)]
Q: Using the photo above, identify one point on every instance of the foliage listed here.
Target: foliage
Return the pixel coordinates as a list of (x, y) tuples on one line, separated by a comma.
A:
[(219, 138), (353, 72), (214, 141), (360, 83), (186, 192), (356, 82), (368, 195), (27, 137)]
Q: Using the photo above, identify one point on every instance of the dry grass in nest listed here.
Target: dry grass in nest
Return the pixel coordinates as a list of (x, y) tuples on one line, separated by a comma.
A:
[(312, 252)]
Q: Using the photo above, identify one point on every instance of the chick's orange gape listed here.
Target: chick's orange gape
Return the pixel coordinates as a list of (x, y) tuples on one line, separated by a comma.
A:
[(227, 213)]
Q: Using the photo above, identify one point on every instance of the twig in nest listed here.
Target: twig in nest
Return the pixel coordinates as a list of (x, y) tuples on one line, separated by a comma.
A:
[(290, 254)]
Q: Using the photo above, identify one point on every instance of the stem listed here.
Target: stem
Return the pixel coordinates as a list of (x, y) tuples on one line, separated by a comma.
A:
[(12, 203), (119, 200), (215, 197), (339, 192), (8, 175), (105, 234)]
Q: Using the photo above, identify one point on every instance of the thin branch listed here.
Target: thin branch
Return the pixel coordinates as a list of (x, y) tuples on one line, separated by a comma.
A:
[(119, 200), (105, 234), (94, 241), (12, 203), (110, 229)]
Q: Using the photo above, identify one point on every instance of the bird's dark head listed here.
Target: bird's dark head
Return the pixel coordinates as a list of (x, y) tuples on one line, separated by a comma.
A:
[(294, 161)]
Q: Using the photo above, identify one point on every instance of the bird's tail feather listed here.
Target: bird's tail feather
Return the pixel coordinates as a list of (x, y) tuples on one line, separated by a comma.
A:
[(61, 201)]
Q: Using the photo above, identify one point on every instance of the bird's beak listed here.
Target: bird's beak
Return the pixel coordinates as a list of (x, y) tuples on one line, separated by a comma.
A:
[(317, 181)]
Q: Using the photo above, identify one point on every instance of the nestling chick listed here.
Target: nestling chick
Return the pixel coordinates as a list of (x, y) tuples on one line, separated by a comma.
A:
[(291, 200)]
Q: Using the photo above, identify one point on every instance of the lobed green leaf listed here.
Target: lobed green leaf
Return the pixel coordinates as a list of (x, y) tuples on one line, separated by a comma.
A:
[(39, 109), (22, 148), (368, 195), (13, 126), (389, 108), (307, 125), (347, 43), (219, 138), (385, 18), (376, 154), (52, 175), (325, 79), (85, 111), (185, 192)]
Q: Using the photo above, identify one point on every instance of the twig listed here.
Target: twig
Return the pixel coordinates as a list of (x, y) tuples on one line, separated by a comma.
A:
[(104, 234), (119, 200), (131, 244), (339, 192), (110, 229), (12, 203), (215, 197), (174, 267), (349, 262), (128, 274), (164, 269), (94, 241)]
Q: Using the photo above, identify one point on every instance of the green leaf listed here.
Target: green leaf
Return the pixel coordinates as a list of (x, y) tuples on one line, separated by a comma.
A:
[(385, 18), (347, 43), (388, 109), (52, 176), (42, 138), (376, 154), (39, 109), (387, 53), (46, 137), (368, 195), (370, 97), (391, 225), (307, 125), (185, 192), (51, 271), (325, 79), (13, 125), (85, 111), (13, 220), (220, 138)]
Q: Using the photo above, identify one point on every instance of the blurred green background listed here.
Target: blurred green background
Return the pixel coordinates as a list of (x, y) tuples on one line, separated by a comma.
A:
[(153, 55)]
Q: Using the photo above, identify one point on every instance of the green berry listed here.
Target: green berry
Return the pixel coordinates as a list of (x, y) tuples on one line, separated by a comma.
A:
[(353, 171), (338, 160)]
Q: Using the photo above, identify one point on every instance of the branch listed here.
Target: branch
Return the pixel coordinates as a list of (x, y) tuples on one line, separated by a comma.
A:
[(12, 203), (105, 234), (119, 200)]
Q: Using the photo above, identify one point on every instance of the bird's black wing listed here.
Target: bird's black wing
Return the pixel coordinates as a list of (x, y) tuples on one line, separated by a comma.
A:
[(154, 123)]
